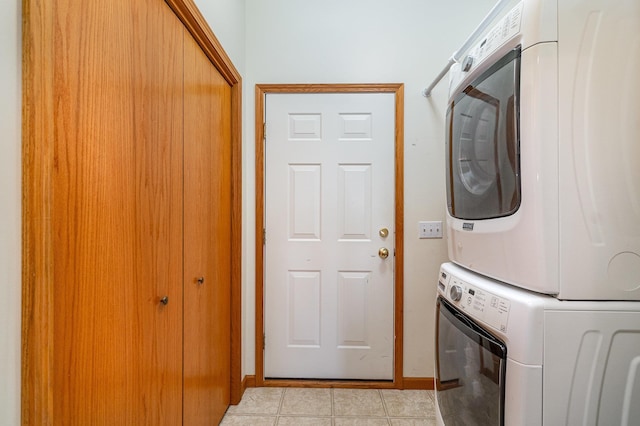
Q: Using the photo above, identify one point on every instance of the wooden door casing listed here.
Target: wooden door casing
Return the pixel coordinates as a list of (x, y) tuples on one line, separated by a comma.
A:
[(207, 239), (260, 91), (117, 200)]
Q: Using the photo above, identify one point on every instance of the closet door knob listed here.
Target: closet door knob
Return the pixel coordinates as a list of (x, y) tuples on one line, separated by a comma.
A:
[(164, 300), (200, 280)]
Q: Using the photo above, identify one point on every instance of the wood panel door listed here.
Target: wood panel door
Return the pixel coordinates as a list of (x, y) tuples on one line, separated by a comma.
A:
[(207, 239), (117, 214)]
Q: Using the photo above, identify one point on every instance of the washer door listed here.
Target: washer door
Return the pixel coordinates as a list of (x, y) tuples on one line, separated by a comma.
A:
[(470, 370), (482, 137)]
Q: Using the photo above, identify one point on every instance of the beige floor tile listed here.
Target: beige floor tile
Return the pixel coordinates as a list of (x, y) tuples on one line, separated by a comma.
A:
[(304, 421), (360, 421), (413, 422), (357, 402), (258, 401), (408, 403), (309, 402), (337, 407), (231, 420)]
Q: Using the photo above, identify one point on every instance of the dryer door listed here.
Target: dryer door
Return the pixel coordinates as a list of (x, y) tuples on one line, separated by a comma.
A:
[(482, 137)]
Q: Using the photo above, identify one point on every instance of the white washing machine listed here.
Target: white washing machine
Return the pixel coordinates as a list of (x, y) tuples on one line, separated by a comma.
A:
[(543, 141), (507, 356)]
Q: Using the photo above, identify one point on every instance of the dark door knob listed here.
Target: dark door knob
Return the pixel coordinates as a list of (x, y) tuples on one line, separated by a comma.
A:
[(164, 300)]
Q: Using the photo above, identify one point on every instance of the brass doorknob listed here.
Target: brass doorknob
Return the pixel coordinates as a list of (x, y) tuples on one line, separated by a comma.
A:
[(384, 232), (383, 252)]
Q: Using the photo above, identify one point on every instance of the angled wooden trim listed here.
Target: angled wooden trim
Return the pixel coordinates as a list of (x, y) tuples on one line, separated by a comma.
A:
[(260, 91), (188, 13)]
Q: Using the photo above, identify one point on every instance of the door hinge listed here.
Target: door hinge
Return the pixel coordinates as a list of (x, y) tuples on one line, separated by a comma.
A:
[(264, 236), (264, 131), (264, 340)]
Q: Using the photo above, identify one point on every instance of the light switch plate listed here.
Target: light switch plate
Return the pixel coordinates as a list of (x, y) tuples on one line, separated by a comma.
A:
[(430, 229)]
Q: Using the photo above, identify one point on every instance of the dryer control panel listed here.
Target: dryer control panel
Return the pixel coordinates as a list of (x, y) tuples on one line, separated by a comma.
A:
[(477, 303)]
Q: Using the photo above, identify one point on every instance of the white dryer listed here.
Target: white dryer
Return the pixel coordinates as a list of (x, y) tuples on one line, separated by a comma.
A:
[(543, 145), (507, 356)]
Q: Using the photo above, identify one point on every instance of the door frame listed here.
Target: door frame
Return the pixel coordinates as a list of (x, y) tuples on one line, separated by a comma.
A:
[(261, 90), (38, 85)]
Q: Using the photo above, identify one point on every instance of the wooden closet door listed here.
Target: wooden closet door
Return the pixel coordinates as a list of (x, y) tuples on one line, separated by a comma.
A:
[(207, 238), (117, 213)]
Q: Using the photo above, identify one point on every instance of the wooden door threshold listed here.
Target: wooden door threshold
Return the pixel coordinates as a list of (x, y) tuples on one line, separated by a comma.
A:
[(408, 383), (322, 383)]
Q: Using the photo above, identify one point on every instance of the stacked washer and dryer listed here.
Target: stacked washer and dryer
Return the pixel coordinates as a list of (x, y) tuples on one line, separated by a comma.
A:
[(538, 312)]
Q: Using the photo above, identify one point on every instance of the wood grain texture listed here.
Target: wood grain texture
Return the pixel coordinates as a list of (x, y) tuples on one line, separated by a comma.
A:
[(261, 91), (118, 211), (207, 239), (99, 249), (195, 23), (37, 228)]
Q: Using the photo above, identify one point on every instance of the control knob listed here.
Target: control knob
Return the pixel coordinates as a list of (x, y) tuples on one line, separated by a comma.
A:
[(455, 292)]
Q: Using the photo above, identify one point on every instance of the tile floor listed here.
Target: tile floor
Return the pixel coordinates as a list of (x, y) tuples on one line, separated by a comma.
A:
[(332, 407)]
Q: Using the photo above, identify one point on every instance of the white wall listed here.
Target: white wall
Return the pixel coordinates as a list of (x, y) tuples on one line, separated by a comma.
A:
[(10, 210), (227, 20), (366, 41)]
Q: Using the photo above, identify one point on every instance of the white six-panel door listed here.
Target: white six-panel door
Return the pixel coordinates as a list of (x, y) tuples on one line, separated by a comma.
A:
[(329, 197)]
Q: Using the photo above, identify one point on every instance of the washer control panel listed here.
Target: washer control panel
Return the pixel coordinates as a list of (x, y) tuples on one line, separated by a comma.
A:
[(506, 28), (455, 292), (475, 302)]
